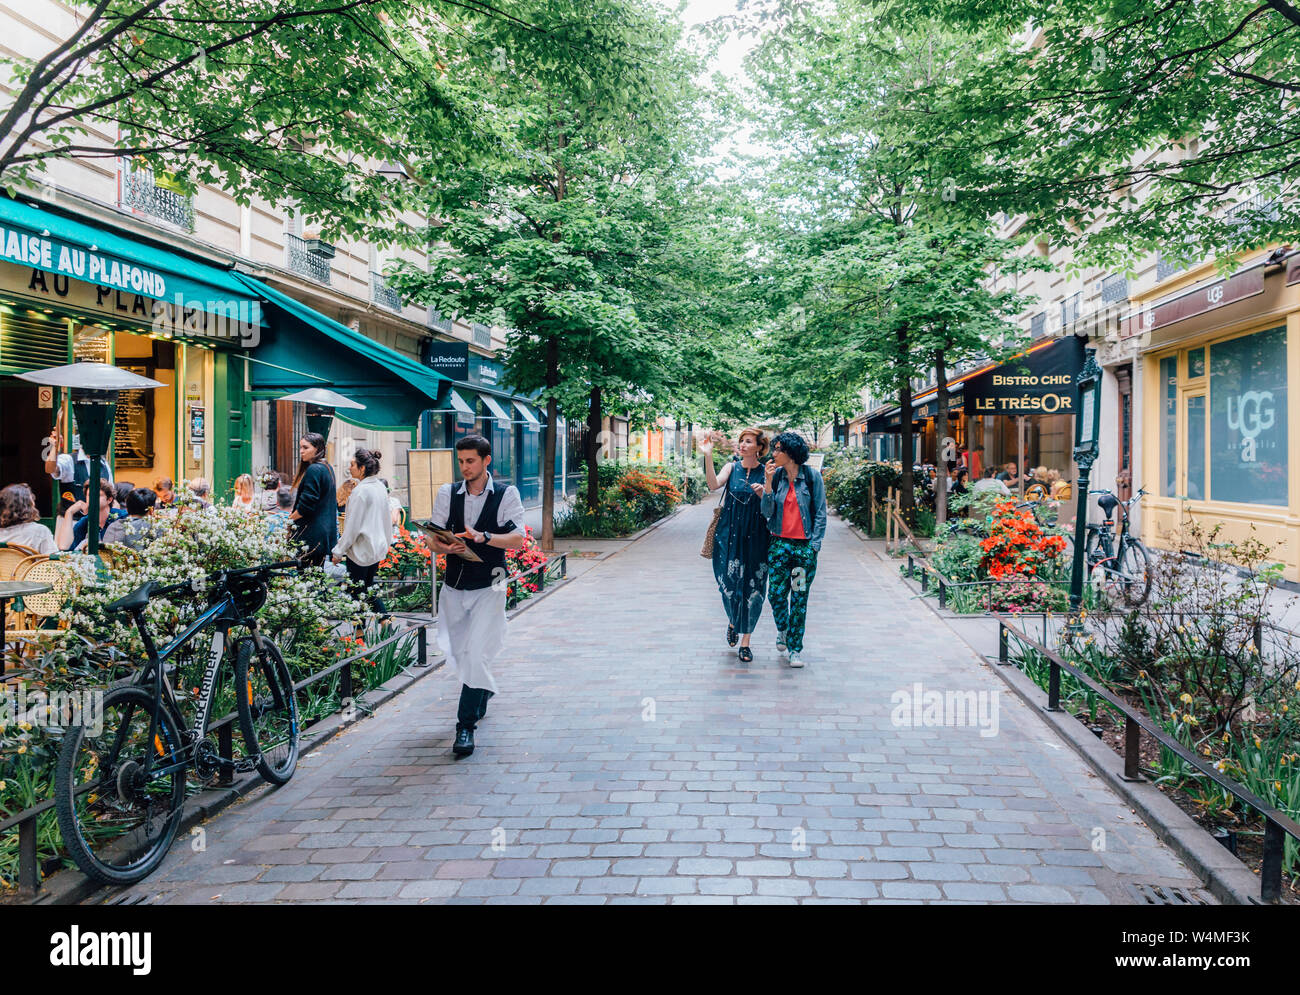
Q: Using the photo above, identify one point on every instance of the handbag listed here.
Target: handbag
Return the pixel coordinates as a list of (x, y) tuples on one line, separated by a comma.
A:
[(711, 533)]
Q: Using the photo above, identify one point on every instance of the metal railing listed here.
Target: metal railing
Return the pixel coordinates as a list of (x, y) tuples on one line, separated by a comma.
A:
[(303, 260), (1276, 824), (29, 865), (1114, 288), (481, 333), (434, 319), (141, 192), (381, 293)]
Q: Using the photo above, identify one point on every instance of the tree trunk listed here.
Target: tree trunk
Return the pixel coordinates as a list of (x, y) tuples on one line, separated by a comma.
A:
[(593, 448), (942, 428), (548, 447), (907, 492)]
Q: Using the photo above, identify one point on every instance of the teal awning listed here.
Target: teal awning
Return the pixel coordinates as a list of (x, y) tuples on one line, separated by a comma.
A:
[(40, 238), (304, 348), (494, 406)]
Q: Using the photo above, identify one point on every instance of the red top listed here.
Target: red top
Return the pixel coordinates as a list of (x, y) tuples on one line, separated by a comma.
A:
[(791, 520)]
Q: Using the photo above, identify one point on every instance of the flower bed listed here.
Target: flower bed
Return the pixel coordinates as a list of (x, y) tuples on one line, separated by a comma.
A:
[(632, 496)]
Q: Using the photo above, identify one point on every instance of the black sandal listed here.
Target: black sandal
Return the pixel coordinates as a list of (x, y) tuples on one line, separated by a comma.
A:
[(732, 638), (746, 655)]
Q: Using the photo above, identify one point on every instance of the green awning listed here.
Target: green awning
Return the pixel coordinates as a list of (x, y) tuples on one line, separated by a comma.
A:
[(304, 348), (33, 236)]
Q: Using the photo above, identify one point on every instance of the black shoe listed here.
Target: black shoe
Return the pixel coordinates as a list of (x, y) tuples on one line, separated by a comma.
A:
[(464, 744), (746, 656), (731, 635)]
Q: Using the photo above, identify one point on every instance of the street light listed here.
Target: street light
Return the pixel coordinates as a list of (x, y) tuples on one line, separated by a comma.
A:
[(1087, 420), (321, 404), (94, 388)]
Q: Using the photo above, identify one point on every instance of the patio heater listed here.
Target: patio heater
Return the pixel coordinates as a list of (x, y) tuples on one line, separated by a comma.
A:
[(94, 388), (321, 405), (1087, 421)]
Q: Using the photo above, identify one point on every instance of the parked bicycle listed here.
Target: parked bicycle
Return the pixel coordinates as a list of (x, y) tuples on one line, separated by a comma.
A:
[(1123, 559), (119, 791)]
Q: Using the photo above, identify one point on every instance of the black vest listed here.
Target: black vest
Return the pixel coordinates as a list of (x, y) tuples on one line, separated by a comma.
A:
[(474, 576)]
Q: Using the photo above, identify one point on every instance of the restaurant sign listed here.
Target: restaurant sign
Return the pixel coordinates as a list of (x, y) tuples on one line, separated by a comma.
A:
[(1039, 382)]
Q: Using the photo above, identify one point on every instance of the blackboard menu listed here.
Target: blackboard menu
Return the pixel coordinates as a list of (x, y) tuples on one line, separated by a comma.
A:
[(133, 426)]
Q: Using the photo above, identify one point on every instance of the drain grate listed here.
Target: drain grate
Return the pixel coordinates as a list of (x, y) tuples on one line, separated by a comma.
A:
[(1164, 894), (127, 898)]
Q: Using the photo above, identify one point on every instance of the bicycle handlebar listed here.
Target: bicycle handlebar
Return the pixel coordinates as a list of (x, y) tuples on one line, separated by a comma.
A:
[(197, 586)]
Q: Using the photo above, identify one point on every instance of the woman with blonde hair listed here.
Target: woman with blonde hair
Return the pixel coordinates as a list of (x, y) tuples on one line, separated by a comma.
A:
[(243, 498), (740, 542)]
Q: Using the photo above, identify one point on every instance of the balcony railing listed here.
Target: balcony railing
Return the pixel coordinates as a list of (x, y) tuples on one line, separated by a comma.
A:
[(381, 293), (303, 260), (1038, 325), (141, 192), (434, 319), (1114, 288), (1166, 267), (1070, 310), (482, 334)]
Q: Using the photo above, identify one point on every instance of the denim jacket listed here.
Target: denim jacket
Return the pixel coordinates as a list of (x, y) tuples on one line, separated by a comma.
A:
[(811, 496)]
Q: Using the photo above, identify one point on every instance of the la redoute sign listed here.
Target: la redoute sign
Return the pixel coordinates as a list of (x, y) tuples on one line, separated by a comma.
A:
[(54, 256)]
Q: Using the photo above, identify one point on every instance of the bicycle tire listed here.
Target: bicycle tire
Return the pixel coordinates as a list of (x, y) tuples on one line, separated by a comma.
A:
[(268, 711), (1137, 576), (81, 818)]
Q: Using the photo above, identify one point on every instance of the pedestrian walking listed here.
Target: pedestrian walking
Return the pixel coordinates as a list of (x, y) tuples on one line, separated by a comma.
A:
[(794, 504), (315, 515), (366, 529), (741, 539), (488, 520)]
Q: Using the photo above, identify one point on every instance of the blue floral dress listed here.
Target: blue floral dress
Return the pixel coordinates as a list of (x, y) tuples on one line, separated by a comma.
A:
[(740, 549)]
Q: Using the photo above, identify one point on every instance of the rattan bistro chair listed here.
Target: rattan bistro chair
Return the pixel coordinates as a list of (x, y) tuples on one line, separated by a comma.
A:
[(39, 608), (12, 554)]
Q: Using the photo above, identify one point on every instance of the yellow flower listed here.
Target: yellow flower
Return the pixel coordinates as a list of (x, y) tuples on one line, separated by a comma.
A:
[(1258, 744), (1225, 737), (24, 726), (1205, 750), (1185, 698), (1190, 720), (23, 748), (1277, 785), (1142, 673)]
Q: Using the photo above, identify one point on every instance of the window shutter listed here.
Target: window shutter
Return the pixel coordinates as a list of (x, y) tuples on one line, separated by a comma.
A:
[(30, 343)]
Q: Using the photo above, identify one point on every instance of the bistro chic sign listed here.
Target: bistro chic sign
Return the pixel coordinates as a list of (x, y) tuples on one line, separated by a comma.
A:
[(1039, 382)]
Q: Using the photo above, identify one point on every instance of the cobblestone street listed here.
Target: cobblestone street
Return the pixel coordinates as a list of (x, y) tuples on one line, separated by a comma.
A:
[(630, 757)]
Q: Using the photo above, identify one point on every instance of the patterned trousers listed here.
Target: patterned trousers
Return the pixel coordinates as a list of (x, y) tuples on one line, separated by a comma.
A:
[(791, 567)]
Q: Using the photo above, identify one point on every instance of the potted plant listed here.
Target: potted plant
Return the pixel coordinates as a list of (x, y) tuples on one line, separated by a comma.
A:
[(314, 244)]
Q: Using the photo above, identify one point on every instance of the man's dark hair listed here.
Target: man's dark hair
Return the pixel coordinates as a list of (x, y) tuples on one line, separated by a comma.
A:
[(283, 497), (989, 471), (476, 442), (792, 445), (139, 501), (121, 489)]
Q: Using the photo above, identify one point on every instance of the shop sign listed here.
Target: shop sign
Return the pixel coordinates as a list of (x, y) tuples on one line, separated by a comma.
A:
[(1041, 382), (56, 256), (451, 359), (1235, 288), (239, 319)]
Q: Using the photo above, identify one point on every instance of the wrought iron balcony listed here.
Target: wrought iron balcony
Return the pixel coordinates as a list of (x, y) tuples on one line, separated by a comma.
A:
[(381, 293), (1166, 267), (1038, 325), (1114, 288), (141, 192), (434, 319), (1070, 310), (482, 334), (302, 260)]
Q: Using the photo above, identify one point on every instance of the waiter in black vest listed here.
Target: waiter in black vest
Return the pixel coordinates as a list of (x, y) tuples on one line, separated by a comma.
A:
[(472, 604)]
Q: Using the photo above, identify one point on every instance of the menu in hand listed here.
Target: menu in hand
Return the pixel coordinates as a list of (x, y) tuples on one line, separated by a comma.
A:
[(450, 537)]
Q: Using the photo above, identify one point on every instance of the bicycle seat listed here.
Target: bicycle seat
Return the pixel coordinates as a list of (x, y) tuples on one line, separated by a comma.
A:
[(1107, 502), (135, 600)]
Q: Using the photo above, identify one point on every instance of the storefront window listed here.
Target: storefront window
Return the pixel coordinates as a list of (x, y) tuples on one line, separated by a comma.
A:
[(1169, 427), (1195, 363), (1248, 419), (1196, 447)]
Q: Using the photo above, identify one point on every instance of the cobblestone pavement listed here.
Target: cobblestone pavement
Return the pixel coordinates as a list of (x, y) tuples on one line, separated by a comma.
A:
[(630, 757)]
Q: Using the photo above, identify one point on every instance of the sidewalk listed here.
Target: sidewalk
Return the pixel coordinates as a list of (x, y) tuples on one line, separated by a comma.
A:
[(630, 757)]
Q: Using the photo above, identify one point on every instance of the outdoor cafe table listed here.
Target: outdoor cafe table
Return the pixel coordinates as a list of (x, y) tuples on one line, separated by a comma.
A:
[(13, 590)]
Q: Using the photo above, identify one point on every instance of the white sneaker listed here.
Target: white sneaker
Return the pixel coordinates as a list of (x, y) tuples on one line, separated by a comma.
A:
[(780, 640), (795, 660)]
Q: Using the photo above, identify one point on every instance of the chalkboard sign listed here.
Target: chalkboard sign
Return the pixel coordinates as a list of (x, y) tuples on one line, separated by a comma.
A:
[(133, 426)]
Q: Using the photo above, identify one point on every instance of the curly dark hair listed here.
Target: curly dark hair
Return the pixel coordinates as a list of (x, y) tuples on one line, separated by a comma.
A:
[(793, 445), (17, 506)]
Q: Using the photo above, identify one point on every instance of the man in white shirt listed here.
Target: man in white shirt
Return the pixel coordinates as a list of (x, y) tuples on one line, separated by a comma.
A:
[(472, 603), (990, 483)]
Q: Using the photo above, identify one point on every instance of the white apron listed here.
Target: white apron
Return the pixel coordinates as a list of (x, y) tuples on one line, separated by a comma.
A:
[(472, 632)]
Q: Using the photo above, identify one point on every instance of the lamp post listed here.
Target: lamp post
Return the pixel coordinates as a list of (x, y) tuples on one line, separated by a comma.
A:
[(94, 388), (321, 404), (1087, 419)]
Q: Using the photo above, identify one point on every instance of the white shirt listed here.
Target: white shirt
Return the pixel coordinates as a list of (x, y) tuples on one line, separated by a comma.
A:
[(511, 508), (367, 525), (989, 484), (33, 535)]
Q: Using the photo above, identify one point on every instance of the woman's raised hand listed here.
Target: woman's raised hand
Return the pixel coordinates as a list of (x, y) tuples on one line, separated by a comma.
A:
[(706, 447)]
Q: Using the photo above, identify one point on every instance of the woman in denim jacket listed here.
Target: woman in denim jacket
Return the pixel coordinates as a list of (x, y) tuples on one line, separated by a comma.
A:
[(796, 518)]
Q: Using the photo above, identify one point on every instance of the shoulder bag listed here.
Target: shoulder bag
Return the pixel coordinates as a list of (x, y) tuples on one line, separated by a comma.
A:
[(711, 533)]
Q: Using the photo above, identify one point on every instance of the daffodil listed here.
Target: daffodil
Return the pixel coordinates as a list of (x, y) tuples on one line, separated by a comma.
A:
[(1185, 698)]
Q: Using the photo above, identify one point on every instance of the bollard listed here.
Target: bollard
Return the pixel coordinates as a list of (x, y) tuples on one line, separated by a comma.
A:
[(226, 750), (911, 570), (943, 594), (925, 581), (422, 647), (345, 684), (1132, 739), (1054, 687), (1258, 637), (29, 870), (1003, 655), (1270, 874)]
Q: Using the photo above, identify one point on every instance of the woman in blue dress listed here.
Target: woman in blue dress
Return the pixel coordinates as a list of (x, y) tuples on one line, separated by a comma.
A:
[(740, 544)]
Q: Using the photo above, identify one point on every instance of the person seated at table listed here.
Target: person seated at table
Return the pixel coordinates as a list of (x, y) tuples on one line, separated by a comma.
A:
[(278, 520), (990, 482), (137, 530), (20, 521), (74, 524), (165, 491), (244, 491), (201, 494)]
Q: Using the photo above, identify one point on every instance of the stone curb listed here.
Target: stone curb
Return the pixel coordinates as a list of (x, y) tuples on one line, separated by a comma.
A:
[(70, 886), (1225, 877)]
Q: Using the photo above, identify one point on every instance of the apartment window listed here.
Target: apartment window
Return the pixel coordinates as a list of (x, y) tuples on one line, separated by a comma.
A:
[(434, 319), (1248, 419), (1038, 325), (1166, 267), (1070, 309), (1169, 426), (1114, 288), (308, 256)]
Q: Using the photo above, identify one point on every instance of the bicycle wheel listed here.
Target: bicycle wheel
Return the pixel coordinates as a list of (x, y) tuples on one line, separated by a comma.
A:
[(1135, 569), (268, 714), (116, 824)]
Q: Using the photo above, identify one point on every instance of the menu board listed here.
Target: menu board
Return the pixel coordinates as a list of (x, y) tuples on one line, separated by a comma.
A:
[(133, 426)]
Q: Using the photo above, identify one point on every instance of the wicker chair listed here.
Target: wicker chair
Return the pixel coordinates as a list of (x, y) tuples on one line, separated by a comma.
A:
[(118, 557), (40, 607), (12, 554)]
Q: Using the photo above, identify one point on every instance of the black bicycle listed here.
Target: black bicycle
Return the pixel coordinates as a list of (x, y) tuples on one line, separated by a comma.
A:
[(120, 784), (1122, 558)]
